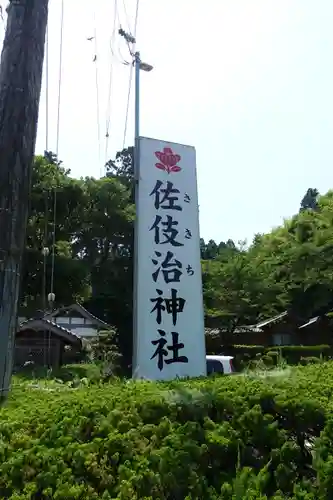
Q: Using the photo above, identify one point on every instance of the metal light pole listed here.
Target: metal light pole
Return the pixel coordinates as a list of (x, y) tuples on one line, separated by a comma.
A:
[(138, 65)]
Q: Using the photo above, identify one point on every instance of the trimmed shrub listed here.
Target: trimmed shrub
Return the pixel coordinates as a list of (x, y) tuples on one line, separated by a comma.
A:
[(310, 360), (291, 354), (222, 438)]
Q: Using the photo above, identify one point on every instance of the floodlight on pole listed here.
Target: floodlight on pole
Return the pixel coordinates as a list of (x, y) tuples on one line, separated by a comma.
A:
[(146, 67)]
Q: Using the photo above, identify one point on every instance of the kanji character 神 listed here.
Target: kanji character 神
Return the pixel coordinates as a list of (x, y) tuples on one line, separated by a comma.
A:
[(173, 306)]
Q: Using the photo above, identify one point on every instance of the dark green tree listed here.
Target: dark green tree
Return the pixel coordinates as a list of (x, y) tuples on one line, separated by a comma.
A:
[(48, 175), (112, 270), (309, 201)]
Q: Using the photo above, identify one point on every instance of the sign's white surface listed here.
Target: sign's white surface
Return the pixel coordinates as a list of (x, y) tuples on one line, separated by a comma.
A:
[(169, 313)]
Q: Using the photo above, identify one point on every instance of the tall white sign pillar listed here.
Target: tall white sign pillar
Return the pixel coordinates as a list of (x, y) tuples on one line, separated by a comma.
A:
[(168, 317)]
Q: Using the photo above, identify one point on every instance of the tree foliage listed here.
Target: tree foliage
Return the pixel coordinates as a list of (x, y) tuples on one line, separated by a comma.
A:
[(104, 351), (93, 222), (309, 201), (289, 268)]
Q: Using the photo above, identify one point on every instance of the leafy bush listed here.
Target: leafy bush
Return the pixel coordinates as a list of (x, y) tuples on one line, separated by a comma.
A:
[(221, 438), (104, 350), (268, 361), (66, 373), (310, 360), (291, 354)]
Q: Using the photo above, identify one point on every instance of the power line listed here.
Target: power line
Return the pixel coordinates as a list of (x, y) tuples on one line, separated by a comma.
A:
[(95, 60), (47, 88), (126, 16), (127, 105), (45, 237), (136, 17), (57, 143), (108, 111), (120, 55), (60, 73), (130, 39)]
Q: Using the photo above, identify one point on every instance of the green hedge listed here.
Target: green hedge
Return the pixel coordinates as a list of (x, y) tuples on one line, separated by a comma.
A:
[(291, 354), (223, 438)]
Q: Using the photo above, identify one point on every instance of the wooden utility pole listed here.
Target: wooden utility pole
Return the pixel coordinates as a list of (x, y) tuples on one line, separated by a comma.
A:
[(21, 69)]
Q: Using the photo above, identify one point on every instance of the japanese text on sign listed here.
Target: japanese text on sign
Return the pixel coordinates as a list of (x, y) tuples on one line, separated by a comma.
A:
[(168, 309), (167, 198)]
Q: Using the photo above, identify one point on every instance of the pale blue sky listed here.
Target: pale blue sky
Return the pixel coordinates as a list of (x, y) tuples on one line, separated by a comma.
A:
[(248, 83)]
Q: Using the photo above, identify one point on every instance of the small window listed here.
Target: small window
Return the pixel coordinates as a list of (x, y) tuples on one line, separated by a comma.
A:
[(281, 339), (214, 366), (62, 320)]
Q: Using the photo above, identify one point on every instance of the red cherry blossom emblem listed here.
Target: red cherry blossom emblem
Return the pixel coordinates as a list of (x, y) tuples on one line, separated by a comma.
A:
[(168, 160)]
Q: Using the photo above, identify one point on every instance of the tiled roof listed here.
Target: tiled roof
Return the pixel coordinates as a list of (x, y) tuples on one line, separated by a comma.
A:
[(310, 322), (239, 329), (78, 308), (45, 322), (275, 319)]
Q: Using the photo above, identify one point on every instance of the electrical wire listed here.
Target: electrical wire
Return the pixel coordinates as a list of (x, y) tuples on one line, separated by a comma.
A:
[(126, 16), (45, 355), (44, 271), (57, 142), (47, 88), (97, 92), (108, 111), (132, 51), (120, 55), (120, 58), (136, 17), (127, 105), (60, 73), (46, 193), (46, 150)]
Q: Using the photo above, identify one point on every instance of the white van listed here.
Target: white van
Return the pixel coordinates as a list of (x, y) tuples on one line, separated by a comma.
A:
[(219, 364)]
